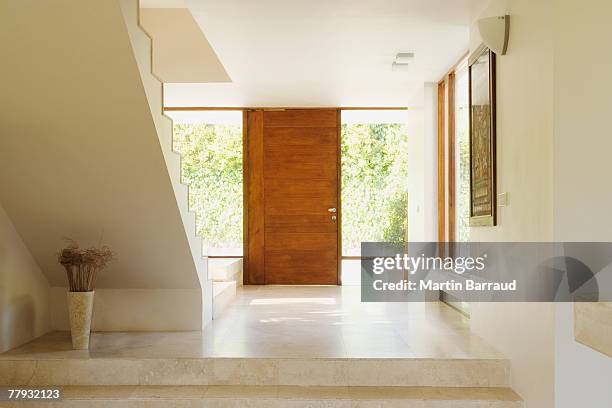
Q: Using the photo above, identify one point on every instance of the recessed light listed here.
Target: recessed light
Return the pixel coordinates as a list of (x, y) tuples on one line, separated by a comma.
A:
[(404, 57), (395, 66)]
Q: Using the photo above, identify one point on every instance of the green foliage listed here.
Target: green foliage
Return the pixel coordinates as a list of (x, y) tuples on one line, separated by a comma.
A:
[(374, 171), (463, 199), (212, 167), (374, 180)]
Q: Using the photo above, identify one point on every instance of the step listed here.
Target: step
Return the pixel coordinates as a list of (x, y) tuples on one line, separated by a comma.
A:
[(404, 372), (281, 397), (225, 269), (224, 294), (593, 325)]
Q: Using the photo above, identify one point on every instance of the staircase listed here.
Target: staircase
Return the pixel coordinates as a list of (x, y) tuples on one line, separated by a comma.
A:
[(219, 278), (226, 274), (279, 347), (267, 382), (143, 48), (281, 397)]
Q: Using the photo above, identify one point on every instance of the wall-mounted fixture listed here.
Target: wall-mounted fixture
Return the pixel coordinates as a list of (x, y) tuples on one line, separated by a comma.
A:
[(402, 61), (495, 32)]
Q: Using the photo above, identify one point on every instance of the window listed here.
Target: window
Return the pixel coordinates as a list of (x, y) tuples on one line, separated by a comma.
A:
[(374, 196), (462, 155), (210, 144), (454, 156), (454, 167)]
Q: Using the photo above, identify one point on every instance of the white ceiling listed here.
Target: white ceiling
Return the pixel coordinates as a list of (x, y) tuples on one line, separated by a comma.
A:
[(325, 52), (181, 51)]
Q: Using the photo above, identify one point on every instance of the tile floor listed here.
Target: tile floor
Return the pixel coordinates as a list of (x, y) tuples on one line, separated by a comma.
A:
[(287, 321)]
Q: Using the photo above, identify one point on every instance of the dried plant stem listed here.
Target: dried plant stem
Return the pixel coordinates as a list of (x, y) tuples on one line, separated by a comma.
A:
[(82, 266)]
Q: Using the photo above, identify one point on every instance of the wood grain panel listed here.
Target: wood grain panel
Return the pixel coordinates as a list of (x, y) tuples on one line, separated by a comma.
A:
[(300, 162), (255, 265), (299, 223), (451, 156), (296, 206), (290, 196), (310, 136), (339, 195), (299, 241), (301, 258), (441, 165), (297, 189), (301, 118), (307, 267), (299, 176)]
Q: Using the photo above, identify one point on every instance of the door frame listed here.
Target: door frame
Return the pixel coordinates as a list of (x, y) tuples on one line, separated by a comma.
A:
[(246, 168), (446, 155), (247, 189)]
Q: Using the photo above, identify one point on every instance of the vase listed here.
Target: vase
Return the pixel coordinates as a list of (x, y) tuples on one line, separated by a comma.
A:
[(80, 307)]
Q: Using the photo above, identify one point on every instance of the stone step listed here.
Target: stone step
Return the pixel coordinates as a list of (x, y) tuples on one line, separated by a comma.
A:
[(404, 372), (225, 269), (224, 294), (281, 397)]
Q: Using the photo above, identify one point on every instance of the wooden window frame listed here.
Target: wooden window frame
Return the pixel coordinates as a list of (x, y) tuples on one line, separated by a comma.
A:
[(446, 155)]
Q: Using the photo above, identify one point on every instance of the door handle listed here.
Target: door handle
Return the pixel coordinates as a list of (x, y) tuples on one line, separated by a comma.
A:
[(332, 210)]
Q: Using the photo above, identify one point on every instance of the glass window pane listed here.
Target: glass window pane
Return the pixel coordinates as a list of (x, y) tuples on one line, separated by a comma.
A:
[(374, 178), (210, 144), (462, 158)]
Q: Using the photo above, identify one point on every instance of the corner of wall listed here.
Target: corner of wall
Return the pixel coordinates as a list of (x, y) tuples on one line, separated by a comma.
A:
[(24, 290)]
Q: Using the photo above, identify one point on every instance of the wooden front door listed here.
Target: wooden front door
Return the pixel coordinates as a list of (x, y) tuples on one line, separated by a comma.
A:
[(292, 197)]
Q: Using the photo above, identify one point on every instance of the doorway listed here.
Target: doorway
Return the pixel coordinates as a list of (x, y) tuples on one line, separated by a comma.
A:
[(292, 197)]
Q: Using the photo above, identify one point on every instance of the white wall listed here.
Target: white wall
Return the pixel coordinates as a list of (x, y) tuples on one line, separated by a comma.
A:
[(583, 143), (24, 291), (523, 332), (182, 53), (416, 168), (422, 177), (430, 131), (524, 122)]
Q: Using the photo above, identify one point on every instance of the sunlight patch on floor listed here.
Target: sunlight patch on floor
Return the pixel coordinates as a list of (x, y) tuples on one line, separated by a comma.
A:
[(293, 301)]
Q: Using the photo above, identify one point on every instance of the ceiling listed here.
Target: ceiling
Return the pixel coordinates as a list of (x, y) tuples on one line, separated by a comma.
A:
[(325, 53), (181, 51)]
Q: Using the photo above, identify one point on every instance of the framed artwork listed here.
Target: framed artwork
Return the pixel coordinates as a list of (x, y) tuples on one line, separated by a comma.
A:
[(483, 192)]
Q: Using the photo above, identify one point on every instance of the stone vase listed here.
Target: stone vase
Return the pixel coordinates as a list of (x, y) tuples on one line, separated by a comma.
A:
[(80, 307)]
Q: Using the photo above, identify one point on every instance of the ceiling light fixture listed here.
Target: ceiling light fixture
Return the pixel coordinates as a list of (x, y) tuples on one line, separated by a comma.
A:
[(403, 58), (402, 61), (395, 66)]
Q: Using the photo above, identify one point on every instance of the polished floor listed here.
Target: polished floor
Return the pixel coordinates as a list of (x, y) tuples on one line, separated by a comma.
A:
[(285, 321)]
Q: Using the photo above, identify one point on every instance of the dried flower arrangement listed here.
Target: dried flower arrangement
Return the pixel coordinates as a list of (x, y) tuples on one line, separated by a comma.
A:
[(83, 265)]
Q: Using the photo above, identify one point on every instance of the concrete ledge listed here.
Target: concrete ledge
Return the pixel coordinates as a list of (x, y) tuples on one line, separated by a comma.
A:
[(281, 397), (593, 325), (224, 294), (374, 372)]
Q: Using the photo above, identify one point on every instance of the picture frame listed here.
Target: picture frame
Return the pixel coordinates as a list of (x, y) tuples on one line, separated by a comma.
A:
[(482, 123)]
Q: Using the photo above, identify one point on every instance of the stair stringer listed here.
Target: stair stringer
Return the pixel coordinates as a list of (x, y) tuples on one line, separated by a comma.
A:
[(142, 47)]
